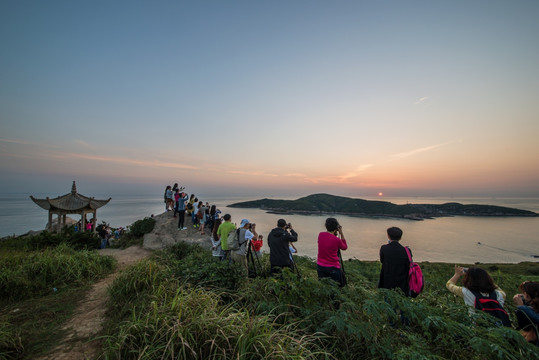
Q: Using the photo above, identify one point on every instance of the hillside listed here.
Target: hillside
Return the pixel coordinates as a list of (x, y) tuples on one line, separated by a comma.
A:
[(331, 204)]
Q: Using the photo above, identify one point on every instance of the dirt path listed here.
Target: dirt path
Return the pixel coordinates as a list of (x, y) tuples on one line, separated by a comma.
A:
[(88, 317)]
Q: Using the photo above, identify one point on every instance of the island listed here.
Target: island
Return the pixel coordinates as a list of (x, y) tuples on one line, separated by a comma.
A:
[(331, 204)]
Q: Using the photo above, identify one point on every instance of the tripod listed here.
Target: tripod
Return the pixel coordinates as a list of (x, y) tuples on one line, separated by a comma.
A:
[(343, 274), (294, 266), (251, 263)]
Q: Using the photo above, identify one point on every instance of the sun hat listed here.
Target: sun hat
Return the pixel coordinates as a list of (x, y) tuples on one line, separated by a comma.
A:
[(244, 222)]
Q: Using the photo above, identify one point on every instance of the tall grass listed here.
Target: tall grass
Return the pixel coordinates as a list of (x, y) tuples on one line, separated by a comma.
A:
[(191, 323), (185, 304), (35, 273)]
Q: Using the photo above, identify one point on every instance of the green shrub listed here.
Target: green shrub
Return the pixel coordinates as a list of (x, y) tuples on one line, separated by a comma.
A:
[(141, 227), (194, 265), (78, 240), (134, 234)]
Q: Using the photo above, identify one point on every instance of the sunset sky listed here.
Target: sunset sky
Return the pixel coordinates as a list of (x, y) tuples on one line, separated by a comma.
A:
[(273, 97)]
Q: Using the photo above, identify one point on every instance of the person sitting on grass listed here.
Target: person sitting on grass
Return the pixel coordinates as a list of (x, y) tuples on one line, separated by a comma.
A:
[(477, 285), (395, 263), (528, 310)]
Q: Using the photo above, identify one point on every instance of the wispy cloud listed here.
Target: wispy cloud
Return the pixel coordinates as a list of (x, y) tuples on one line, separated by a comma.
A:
[(250, 173), (406, 154), (421, 100), (339, 179), (14, 141), (121, 160), (82, 143)]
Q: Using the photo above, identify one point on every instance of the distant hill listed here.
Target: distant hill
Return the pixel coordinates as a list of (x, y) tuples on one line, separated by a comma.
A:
[(331, 204)]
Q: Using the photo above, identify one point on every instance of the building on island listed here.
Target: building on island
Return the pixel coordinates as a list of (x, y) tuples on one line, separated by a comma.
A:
[(72, 203)]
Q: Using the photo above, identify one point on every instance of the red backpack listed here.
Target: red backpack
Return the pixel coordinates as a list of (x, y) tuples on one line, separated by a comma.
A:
[(416, 280), (490, 305)]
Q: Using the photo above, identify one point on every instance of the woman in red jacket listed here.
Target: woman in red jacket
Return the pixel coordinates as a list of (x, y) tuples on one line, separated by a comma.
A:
[(329, 245)]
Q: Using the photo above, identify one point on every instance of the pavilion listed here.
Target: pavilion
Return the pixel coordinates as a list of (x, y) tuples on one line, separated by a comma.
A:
[(73, 203)]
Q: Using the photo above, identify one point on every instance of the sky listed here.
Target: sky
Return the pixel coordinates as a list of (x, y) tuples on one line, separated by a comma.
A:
[(356, 98)]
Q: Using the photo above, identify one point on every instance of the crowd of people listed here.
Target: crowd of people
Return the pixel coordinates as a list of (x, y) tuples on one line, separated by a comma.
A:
[(478, 290)]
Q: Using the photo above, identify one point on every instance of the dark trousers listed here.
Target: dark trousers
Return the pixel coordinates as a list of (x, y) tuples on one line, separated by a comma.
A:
[(181, 218), (330, 272)]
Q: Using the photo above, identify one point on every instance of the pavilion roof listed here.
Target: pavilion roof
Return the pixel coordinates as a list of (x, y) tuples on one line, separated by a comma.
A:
[(70, 202)]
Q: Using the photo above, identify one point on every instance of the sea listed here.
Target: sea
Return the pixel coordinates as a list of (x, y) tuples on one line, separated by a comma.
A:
[(459, 239)]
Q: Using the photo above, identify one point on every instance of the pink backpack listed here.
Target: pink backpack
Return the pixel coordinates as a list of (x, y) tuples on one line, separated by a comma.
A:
[(416, 280)]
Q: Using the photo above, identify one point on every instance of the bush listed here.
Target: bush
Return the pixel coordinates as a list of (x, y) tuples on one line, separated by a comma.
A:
[(77, 240), (141, 227), (194, 265)]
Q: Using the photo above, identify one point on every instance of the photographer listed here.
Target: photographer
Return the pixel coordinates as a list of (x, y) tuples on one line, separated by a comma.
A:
[(329, 244), (247, 232), (278, 240)]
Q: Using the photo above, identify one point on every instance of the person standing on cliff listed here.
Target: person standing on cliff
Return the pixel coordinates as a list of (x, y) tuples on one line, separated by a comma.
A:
[(278, 242), (180, 208), (169, 198)]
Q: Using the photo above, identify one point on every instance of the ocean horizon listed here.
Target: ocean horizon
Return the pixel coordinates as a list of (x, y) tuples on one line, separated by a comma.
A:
[(452, 239)]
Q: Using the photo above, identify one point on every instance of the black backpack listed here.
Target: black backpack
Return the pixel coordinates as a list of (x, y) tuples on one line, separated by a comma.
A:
[(490, 305)]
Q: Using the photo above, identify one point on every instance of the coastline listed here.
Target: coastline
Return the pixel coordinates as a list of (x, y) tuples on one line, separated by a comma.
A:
[(448, 239)]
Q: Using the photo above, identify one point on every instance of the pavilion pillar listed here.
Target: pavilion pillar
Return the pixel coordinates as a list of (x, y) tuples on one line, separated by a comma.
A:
[(58, 222), (64, 221), (49, 227), (95, 221)]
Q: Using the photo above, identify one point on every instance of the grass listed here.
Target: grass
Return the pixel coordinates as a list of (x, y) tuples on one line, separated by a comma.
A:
[(42, 278), (31, 328), (28, 274), (184, 303)]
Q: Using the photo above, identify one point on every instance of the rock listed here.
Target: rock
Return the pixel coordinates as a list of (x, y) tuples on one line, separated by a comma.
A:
[(166, 233)]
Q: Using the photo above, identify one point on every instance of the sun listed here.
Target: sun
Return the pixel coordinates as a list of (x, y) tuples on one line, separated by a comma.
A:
[(380, 194)]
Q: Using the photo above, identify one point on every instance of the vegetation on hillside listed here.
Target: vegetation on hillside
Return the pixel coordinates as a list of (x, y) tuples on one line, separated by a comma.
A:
[(186, 304), (325, 203), (135, 233), (42, 278)]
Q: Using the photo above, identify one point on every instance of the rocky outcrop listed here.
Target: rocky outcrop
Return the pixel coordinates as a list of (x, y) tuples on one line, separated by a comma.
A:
[(166, 233)]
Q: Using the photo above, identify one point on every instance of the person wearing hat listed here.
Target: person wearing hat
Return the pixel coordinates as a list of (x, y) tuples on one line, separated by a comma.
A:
[(278, 242), (247, 232)]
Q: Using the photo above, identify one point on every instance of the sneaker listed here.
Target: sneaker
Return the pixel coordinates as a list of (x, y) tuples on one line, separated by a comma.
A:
[(184, 228)]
